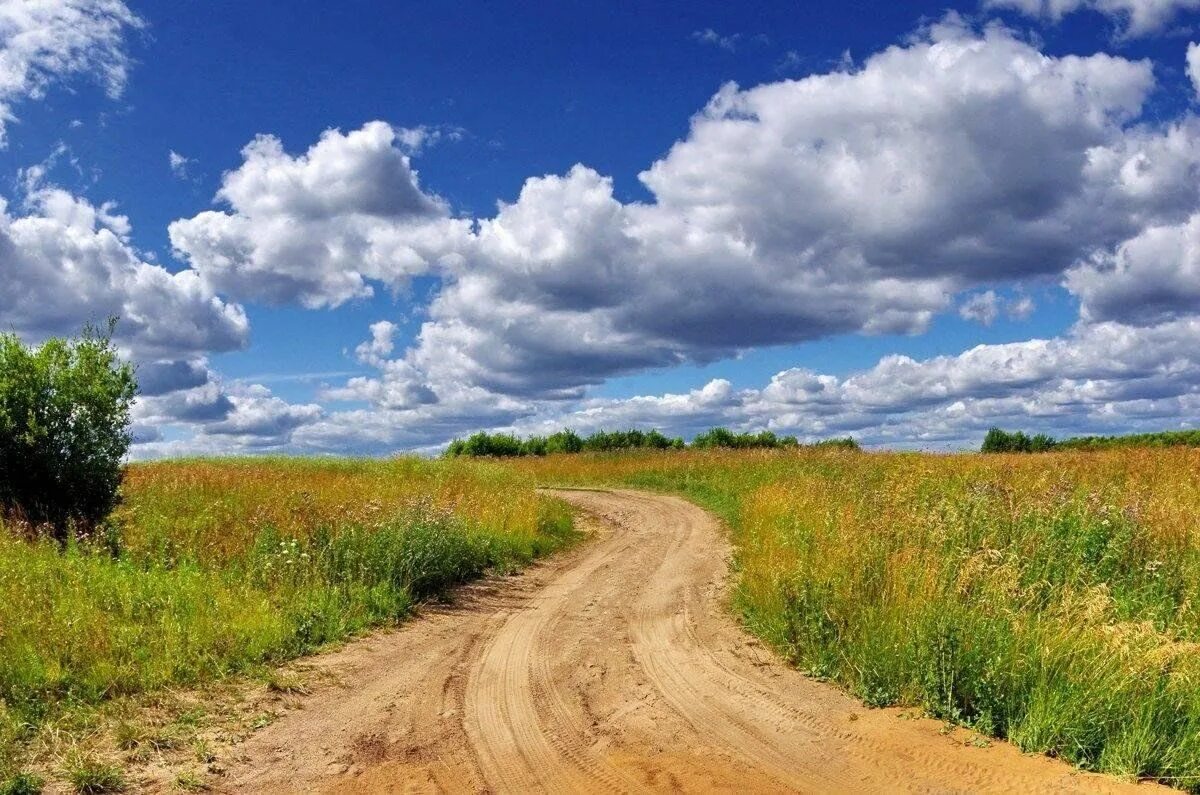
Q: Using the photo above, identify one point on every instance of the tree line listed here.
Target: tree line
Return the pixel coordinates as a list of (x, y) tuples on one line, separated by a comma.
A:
[(507, 445), (1001, 441)]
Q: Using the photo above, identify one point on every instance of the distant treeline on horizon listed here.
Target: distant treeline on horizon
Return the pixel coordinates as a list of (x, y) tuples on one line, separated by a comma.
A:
[(505, 445), (1001, 441)]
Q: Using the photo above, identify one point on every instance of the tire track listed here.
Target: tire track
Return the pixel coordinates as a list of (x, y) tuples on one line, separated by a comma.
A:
[(520, 748)]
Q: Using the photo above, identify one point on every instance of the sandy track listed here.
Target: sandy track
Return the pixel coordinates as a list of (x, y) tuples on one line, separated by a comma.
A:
[(615, 667)]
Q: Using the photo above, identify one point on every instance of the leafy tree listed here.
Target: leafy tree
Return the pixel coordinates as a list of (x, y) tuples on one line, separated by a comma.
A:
[(64, 429), (534, 445), (996, 441), (723, 437), (565, 441), (1001, 441), (497, 445), (657, 441), (1042, 443), (715, 437)]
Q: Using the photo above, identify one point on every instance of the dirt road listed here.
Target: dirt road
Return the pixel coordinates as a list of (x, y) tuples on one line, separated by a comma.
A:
[(616, 667)]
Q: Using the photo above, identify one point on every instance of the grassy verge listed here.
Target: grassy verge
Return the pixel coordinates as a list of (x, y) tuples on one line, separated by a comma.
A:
[(1052, 600), (215, 567)]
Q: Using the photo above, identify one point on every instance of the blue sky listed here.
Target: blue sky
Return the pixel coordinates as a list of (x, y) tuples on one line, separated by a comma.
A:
[(371, 227)]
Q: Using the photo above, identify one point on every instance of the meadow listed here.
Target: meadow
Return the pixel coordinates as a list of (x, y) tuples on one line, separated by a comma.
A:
[(1053, 600), (214, 567)]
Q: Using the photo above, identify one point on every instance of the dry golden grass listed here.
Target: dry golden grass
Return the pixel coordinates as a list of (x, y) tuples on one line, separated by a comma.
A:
[(216, 508)]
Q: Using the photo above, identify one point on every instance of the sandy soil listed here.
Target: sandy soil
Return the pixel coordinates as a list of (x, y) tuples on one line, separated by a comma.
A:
[(616, 666)]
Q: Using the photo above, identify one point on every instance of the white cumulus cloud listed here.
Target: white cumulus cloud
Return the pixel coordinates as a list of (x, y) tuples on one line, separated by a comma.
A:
[(1150, 278), (65, 262), (982, 308), (1134, 18), (848, 202), (43, 42), (320, 227)]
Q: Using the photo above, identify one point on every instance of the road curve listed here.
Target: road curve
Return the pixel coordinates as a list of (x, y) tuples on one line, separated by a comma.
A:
[(615, 667)]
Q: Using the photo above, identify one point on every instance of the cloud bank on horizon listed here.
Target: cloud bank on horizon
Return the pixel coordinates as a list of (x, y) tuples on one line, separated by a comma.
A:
[(950, 175)]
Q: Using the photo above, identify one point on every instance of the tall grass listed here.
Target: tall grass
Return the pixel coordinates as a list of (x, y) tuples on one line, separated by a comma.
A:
[(216, 566), (1053, 600)]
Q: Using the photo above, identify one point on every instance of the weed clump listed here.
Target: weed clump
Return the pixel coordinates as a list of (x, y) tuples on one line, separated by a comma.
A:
[(91, 776)]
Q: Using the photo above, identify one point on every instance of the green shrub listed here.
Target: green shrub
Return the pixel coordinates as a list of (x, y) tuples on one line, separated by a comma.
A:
[(64, 430), (725, 438), (1001, 441), (481, 445), (22, 784), (633, 439), (565, 441)]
